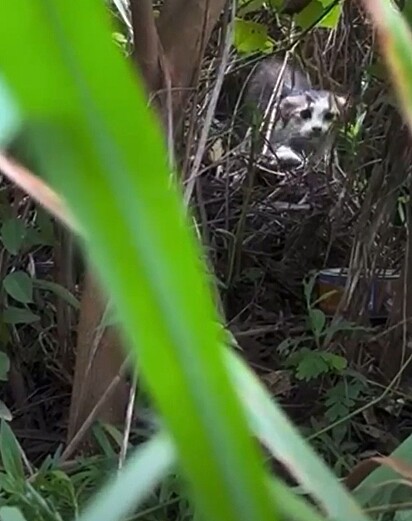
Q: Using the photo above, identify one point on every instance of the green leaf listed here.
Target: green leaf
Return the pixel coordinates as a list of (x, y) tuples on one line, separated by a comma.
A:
[(317, 320), (311, 365), (13, 315), (13, 233), (5, 413), (144, 470), (281, 438), (10, 452), (324, 297), (5, 336), (336, 411), (4, 366), (291, 505), (251, 36), (104, 445), (407, 12), (396, 43), (58, 290), (338, 401), (336, 362), (277, 4), (285, 346), (10, 116), (117, 184), (370, 490), (249, 6), (308, 286), (11, 514), (19, 285), (116, 435), (314, 11), (119, 39), (355, 388), (331, 20)]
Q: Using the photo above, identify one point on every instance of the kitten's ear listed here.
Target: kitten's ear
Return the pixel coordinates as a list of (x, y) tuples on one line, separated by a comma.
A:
[(290, 104), (309, 99), (341, 101)]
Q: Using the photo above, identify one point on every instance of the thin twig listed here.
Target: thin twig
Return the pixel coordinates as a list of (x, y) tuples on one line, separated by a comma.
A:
[(211, 109), (84, 428), (129, 417)]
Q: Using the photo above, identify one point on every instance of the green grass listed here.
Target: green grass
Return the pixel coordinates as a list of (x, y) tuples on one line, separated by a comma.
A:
[(85, 118)]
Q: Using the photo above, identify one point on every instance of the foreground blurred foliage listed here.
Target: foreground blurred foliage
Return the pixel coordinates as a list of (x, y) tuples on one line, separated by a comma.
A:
[(115, 183)]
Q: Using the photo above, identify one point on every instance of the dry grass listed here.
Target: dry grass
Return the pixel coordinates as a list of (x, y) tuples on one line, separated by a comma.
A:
[(265, 231)]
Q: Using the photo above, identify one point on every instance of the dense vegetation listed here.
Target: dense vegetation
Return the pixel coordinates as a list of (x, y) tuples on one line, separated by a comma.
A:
[(99, 259)]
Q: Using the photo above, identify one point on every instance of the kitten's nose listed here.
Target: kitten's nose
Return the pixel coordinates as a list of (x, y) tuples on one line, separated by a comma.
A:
[(316, 131)]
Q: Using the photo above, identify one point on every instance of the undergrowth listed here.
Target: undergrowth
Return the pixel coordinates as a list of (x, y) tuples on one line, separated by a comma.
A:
[(327, 371)]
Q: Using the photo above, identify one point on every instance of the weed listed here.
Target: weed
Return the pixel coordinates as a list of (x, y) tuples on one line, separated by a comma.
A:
[(307, 353)]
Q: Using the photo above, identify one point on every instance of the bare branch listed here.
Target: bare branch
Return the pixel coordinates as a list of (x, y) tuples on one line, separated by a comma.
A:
[(184, 27)]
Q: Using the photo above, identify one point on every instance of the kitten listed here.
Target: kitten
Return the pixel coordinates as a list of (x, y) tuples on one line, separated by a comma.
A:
[(303, 118)]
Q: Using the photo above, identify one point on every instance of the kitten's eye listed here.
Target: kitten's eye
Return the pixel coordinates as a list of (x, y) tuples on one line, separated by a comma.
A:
[(306, 114), (329, 116)]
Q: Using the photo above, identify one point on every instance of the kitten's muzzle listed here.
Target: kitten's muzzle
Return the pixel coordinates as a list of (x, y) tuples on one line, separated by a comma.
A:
[(316, 131)]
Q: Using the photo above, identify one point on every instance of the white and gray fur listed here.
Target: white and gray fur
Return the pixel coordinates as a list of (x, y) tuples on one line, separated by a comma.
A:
[(304, 117)]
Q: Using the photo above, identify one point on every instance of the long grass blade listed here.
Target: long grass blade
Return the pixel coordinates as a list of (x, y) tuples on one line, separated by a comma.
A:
[(130, 487), (97, 142), (396, 44), (282, 439)]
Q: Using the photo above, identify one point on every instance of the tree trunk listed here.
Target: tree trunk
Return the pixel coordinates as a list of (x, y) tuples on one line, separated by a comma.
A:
[(98, 360), (167, 54)]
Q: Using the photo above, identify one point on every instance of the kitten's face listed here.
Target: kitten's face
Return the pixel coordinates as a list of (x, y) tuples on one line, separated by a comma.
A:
[(311, 115)]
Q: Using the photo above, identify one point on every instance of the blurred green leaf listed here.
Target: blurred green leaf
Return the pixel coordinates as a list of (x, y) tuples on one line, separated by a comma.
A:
[(396, 43), (277, 4), (19, 285), (150, 265), (323, 297), (249, 6), (292, 506), (5, 413), (59, 290), (102, 439), (332, 18), (5, 336), (10, 452), (11, 514), (251, 36), (13, 233), (310, 15), (336, 362), (116, 182), (340, 399), (143, 471), (308, 286), (276, 432), (317, 321), (10, 117), (4, 366), (13, 315), (309, 364), (407, 12), (384, 479)]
